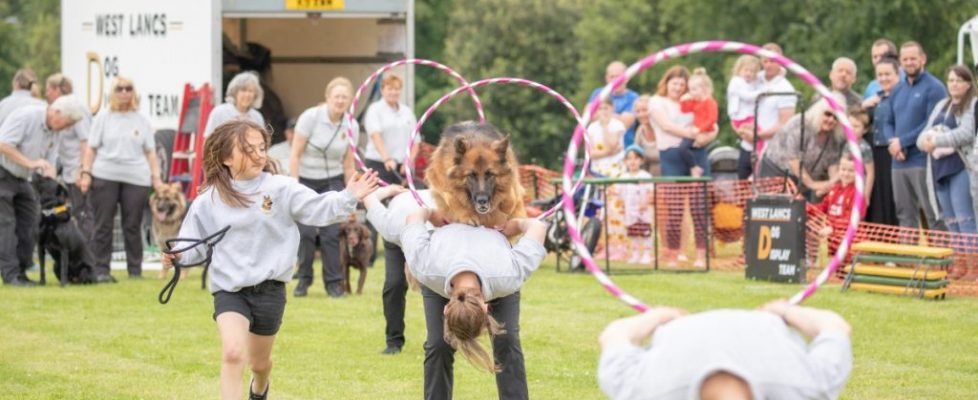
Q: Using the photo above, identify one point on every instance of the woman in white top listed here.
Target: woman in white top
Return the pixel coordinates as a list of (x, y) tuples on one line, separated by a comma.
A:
[(389, 125), (320, 160), (119, 166), (243, 99), (671, 127)]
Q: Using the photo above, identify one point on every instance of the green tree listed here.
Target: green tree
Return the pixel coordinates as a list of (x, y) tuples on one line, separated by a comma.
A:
[(431, 17), (530, 39), (31, 35)]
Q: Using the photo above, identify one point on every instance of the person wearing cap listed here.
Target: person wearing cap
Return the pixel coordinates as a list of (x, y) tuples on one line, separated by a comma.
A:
[(21, 95), (28, 143), (727, 354)]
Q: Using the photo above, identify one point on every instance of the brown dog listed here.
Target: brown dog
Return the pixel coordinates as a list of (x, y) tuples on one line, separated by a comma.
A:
[(168, 207), (474, 177), (355, 249)]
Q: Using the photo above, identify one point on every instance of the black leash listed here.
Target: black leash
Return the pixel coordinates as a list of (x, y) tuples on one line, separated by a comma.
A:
[(209, 241)]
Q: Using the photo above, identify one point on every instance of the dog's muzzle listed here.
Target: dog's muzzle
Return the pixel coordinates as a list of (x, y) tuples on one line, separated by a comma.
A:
[(483, 204)]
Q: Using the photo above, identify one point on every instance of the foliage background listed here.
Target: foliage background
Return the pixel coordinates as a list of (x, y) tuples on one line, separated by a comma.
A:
[(566, 45)]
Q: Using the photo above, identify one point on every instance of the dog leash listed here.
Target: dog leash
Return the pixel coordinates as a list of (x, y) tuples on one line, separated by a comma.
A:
[(209, 241)]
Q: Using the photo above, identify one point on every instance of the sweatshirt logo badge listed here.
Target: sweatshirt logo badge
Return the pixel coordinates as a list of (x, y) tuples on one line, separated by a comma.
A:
[(266, 204)]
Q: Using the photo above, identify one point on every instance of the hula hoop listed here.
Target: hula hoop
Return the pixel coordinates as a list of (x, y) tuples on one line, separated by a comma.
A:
[(350, 135), (706, 47), (408, 165)]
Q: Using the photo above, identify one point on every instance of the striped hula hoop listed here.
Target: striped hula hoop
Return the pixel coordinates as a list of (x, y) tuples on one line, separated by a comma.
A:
[(352, 136), (486, 82), (708, 47)]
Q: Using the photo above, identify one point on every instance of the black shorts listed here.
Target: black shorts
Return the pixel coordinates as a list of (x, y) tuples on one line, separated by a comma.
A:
[(263, 305)]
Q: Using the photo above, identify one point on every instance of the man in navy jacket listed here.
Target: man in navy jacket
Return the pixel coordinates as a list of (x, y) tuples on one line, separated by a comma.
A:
[(912, 101)]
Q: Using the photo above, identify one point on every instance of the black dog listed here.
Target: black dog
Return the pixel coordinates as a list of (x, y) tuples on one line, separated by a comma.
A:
[(60, 236)]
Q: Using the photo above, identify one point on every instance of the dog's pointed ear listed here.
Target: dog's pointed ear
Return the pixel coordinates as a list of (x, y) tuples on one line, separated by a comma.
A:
[(501, 146), (461, 146)]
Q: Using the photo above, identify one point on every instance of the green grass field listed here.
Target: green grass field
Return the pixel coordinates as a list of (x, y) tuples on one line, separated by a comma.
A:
[(117, 342)]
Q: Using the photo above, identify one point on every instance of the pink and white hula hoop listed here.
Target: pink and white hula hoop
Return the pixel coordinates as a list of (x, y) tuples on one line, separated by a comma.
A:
[(352, 136), (707, 47), (409, 165)]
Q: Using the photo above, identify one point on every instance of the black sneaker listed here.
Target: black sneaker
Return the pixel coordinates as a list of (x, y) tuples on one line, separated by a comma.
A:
[(335, 290), (391, 350), (21, 282), (253, 396), (103, 278), (301, 289)]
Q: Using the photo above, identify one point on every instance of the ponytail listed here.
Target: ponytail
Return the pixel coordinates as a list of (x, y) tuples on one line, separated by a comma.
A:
[(465, 320)]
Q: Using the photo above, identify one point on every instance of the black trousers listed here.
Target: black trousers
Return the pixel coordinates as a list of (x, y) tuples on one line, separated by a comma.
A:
[(882, 208), (81, 211), (394, 294), (439, 357), (329, 238), (105, 196), (20, 214)]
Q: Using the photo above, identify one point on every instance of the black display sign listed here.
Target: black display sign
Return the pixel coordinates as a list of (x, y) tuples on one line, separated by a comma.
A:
[(775, 241)]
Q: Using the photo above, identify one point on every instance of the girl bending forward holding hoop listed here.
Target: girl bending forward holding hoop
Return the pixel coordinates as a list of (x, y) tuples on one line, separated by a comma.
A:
[(472, 277), (253, 263)]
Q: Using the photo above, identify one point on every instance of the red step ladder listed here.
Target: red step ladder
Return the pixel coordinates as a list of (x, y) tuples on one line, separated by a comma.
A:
[(188, 143)]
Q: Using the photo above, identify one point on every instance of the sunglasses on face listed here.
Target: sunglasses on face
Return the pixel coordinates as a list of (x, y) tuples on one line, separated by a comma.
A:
[(120, 89), (829, 114)]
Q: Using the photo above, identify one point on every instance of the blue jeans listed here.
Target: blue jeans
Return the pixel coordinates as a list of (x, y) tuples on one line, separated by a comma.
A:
[(672, 164), (954, 197)]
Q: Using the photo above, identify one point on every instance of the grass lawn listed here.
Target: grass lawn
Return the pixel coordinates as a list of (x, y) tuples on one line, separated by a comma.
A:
[(117, 342)]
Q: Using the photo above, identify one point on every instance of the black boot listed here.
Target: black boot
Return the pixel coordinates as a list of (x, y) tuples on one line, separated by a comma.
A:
[(335, 289), (301, 289)]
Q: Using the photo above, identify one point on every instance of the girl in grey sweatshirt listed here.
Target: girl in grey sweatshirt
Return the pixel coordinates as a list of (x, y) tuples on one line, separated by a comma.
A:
[(255, 259)]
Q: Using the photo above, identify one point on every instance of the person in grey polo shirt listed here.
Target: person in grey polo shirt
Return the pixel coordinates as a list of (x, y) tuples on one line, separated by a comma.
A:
[(389, 125), (119, 167), (28, 143), (244, 98), (21, 96), (727, 354), (73, 142), (320, 159)]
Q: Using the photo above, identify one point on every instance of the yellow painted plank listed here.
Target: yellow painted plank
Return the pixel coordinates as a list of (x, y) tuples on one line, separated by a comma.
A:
[(895, 272), (869, 287), (902, 249)]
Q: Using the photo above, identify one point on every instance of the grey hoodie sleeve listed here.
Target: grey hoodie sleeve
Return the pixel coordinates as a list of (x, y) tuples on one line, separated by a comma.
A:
[(963, 135), (309, 208)]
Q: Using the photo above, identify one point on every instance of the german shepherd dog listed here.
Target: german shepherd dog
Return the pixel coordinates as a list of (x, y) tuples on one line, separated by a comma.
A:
[(355, 250), (168, 207), (474, 176), (59, 235)]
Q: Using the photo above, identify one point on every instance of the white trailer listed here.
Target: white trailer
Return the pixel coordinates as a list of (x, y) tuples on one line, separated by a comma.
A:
[(162, 45)]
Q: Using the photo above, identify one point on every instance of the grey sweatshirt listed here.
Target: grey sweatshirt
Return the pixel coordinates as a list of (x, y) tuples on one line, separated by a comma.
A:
[(390, 221), (263, 240), (436, 257)]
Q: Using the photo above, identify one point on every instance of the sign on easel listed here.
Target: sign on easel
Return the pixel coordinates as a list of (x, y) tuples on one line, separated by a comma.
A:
[(775, 241)]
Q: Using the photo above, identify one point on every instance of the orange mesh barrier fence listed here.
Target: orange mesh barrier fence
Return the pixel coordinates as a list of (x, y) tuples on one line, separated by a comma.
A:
[(680, 216)]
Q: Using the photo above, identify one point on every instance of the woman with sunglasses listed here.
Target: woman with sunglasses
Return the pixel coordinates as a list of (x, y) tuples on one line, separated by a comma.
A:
[(119, 167), (811, 160)]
